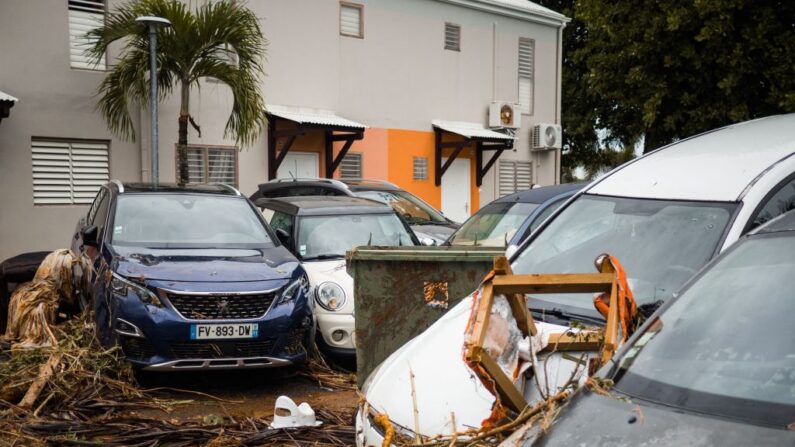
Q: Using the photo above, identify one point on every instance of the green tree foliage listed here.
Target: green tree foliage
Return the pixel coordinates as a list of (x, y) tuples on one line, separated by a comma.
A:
[(663, 70), (220, 39)]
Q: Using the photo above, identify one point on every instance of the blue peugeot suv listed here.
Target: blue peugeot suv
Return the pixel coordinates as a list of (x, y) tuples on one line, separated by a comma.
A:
[(192, 277)]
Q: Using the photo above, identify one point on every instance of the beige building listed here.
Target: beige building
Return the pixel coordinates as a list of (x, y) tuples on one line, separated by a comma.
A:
[(409, 82)]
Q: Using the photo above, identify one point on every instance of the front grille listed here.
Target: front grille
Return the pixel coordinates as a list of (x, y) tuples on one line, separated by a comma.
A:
[(136, 348), (219, 350), (253, 348), (222, 307), (197, 350)]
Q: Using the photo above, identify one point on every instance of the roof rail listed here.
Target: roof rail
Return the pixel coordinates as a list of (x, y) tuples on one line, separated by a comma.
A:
[(229, 187), (309, 179), (365, 181), (118, 184)]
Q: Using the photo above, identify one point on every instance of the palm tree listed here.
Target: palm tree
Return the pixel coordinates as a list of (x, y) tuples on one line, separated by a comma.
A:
[(221, 40)]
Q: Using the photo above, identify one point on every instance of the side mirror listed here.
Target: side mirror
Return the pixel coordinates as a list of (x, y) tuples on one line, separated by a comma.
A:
[(284, 236), (511, 250), (428, 242), (89, 236)]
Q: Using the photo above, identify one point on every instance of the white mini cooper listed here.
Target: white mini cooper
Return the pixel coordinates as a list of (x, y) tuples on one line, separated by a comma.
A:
[(319, 230)]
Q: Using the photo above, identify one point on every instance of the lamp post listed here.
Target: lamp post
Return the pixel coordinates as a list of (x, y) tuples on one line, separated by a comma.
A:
[(153, 23)]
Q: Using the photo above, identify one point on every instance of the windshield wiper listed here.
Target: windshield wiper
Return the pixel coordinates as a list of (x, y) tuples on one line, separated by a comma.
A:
[(568, 316), (323, 256)]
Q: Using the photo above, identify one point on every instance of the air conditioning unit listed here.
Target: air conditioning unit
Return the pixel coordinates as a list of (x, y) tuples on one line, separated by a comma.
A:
[(547, 136), (504, 115)]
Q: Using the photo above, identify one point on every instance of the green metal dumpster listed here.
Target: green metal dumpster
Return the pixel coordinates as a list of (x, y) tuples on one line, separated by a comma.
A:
[(401, 291)]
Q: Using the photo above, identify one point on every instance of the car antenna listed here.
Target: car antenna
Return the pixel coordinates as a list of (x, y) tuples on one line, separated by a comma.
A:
[(370, 239), (400, 240), (505, 236), (476, 240)]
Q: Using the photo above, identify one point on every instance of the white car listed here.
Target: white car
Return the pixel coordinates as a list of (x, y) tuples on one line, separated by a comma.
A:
[(663, 215), (318, 230)]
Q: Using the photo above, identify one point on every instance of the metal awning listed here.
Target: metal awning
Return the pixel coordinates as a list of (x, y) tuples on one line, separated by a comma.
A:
[(483, 138), (302, 120), (6, 102), (318, 117), (471, 130)]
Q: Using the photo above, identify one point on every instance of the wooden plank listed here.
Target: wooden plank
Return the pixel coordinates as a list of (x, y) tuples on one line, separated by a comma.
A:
[(611, 326), (509, 394), (553, 283), (517, 301), (581, 341), (481, 324), (45, 372)]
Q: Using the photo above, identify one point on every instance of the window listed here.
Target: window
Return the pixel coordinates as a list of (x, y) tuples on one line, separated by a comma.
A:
[(420, 168), (351, 166), (84, 15), (212, 165), (452, 37), (351, 20), (68, 172), (779, 203), (515, 176), (101, 214), (526, 60)]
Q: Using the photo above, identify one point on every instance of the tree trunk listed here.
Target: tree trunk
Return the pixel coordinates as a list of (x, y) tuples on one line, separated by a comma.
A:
[(182, 144)]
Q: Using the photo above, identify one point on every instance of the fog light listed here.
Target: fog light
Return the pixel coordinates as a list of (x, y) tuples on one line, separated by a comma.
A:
[(338, 335), (126, 328)]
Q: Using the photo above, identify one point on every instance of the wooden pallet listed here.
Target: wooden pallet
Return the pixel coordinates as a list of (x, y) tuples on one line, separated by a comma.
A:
[(514, 287)]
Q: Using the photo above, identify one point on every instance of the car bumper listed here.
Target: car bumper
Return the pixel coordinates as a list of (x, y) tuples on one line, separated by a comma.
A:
[(343, 324), (159, 338), (366, 434)]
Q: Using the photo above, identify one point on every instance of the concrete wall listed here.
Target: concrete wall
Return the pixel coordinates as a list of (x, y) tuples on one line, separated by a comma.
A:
[(397, 77), (55, 101)]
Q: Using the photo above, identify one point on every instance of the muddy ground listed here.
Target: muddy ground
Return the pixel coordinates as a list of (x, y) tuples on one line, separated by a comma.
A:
[(238, 394)]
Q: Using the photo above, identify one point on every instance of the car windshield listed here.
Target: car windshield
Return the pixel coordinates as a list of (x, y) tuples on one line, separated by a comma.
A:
[(323, 237), (494, 225), (726, 345), (660, 244), (187, 221), (414, 210)]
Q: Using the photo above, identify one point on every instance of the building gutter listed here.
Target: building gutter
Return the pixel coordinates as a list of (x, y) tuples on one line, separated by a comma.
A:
[(550, 18), (558, 93)]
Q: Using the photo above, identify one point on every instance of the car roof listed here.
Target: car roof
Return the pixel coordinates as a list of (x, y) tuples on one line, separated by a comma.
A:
[(715, 166), (784, 222), (327, 205), (370, 185), (290, 183), (541, 194), (204, 188)]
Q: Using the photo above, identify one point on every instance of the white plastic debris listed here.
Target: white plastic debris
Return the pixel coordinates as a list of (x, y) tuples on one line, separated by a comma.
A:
[(287, 414)]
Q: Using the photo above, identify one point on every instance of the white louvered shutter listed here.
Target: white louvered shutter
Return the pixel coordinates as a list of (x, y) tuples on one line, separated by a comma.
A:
[(351, 20), (420, 168), (351, 166), (526, 57), (452, 37), (222, 166), (66, 173), (196, 165), (515, 176), (84, 15)]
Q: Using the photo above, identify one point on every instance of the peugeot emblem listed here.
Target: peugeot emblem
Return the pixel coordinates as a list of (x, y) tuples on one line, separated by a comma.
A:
[(223, 308)]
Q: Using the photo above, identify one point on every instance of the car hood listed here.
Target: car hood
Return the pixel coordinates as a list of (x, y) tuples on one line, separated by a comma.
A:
[(204, 265), (443, 383), (333, 271), (438, 233), (594, 420)]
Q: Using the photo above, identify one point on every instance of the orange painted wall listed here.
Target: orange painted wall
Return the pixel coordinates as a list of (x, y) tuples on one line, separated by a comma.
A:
[(374, 149), (404, 145)]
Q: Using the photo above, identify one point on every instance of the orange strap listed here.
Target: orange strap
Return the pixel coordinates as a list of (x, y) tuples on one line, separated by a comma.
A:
[(627, 309)]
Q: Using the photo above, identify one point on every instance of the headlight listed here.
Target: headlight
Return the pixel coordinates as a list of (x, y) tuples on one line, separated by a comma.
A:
[(121, 286), (291, 291), (330, 296)]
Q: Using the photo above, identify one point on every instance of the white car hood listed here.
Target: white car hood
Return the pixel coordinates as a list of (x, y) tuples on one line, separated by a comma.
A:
[(334, 271), (443, 383)]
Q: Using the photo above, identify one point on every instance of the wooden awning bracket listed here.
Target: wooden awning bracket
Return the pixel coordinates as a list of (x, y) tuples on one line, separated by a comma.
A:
[(288, 137), (514, 287), (481, 145)]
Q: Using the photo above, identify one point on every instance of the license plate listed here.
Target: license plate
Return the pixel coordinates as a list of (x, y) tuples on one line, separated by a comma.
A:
[(214, 331)]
